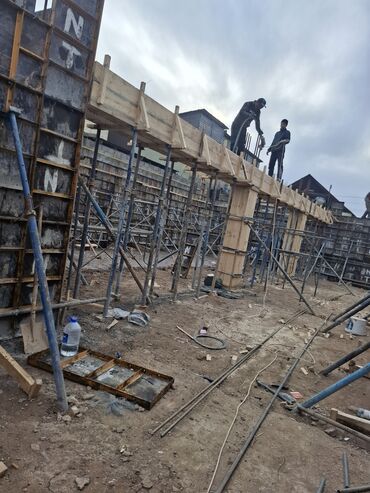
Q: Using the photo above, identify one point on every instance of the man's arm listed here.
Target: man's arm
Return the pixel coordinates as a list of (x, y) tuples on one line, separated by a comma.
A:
[(258, 124)]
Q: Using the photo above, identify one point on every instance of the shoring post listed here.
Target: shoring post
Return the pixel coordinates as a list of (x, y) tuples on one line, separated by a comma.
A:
[(183, 234), (205, 238), (150, 273), (40, 269), (254, 272), (203, 225), (126, 235), (91, 185), (121, 224), (162, 212)]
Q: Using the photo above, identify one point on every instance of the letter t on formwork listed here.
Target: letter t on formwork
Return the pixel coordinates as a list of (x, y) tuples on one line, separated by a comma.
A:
[(242, 204), (293, 239)]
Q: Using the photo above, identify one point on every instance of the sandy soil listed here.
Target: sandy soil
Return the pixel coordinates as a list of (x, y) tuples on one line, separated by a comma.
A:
[(290, 454)]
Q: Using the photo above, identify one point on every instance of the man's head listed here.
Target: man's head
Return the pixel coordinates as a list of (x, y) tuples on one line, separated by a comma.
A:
[(261, 103), (284, 123)]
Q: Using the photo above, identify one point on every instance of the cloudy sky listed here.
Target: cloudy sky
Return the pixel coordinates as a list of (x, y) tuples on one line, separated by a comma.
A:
[(309, 59)]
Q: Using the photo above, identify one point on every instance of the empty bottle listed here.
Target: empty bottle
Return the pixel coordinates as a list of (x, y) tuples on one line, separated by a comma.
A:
[(71, 337)]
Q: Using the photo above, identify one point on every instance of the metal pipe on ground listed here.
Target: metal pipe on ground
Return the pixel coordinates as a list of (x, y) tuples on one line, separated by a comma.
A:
[(40, 269), (355, 489), (190, 405), (321, 487), (345, 358), (348, 315), (349, 308), (323, 394), (332, 422), (346, 480), (283, 271), (256, 427)]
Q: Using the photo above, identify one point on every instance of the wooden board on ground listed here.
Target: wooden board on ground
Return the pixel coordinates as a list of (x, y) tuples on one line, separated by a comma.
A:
[(116, 376), (34, 335), (24, 379), (354, 422)]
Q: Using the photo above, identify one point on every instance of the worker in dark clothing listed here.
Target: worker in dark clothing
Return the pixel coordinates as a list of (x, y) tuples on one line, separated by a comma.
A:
[(277, 149), (251, 110)]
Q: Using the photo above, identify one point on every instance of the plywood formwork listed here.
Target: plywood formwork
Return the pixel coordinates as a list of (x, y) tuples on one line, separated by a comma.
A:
[(232, 256), (46, 60), (116, 104)]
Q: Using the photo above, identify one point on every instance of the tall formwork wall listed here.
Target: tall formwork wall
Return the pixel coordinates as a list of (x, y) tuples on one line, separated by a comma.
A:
[(46, 61)]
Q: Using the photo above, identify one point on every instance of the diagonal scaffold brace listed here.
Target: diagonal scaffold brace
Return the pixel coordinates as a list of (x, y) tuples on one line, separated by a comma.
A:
[(39, 265), (105, 222), (279, 266)]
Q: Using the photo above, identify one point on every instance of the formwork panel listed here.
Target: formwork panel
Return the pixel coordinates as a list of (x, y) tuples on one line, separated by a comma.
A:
[(46, 63)]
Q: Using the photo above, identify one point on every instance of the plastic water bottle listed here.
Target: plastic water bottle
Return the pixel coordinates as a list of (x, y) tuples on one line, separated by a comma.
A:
[(71, 338)]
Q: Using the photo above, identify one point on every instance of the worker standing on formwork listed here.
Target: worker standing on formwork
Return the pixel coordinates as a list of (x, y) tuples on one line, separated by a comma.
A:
[(251, 110), (277, 149)]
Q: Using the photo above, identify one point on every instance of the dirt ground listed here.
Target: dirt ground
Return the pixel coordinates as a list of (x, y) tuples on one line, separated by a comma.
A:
[(117, 453)]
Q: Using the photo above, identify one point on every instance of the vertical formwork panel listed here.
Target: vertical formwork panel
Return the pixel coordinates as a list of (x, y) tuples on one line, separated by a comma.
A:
[(46, 62)]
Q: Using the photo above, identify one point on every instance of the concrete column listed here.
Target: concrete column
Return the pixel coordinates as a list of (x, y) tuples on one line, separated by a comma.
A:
[(242, 204), (293, 239)]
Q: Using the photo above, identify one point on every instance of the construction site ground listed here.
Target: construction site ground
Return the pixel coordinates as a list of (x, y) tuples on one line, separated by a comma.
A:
[(117, 453)]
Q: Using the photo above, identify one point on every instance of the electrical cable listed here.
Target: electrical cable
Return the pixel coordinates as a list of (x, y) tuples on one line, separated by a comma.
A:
[(234, 419)]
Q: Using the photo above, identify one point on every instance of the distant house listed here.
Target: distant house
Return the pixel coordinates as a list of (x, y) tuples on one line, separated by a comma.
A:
[(319, 194), (203, 120)]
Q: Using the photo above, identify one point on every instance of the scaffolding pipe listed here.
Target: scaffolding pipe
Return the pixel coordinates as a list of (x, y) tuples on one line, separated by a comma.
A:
[(323, 394), (205, 239), (183, 235), (121, 224), (354, 305), (156, 232), (345, 358), (91, 185), (64, 304), (163, 212), (126, 236), (40, 269)]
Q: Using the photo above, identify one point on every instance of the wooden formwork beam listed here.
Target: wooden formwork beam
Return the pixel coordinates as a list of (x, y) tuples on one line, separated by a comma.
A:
[(24, 379), (120, 107)]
